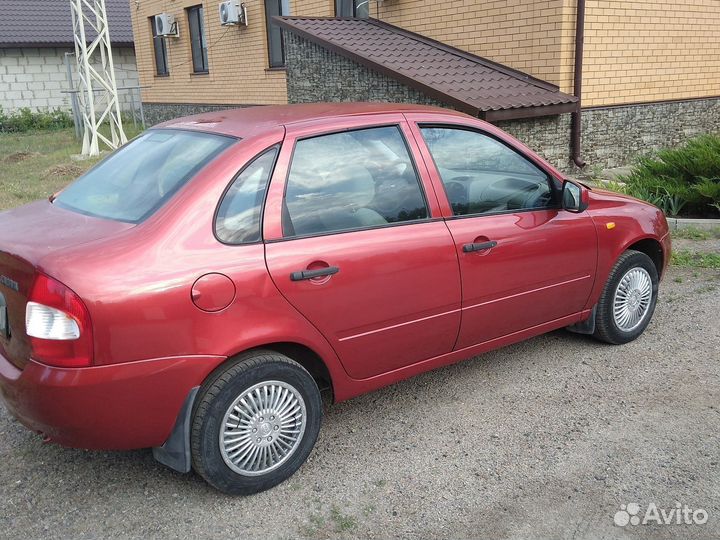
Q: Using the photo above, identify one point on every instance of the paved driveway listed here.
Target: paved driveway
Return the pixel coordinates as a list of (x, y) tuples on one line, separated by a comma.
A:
[(545, 438)]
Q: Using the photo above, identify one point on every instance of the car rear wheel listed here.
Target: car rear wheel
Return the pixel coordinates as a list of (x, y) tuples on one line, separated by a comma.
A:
[(628, 299), (255, 422)]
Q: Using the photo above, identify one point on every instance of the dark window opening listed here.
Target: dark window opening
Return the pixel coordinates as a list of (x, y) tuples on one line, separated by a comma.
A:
[(276, 46), (198, 42), (160, 48), (352, 8)]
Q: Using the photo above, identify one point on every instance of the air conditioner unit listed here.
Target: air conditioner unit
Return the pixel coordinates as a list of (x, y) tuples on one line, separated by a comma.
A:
[(233, 13), (165, 25)]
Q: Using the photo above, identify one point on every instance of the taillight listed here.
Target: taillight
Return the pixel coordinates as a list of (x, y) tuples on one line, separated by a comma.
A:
[(57, 324)]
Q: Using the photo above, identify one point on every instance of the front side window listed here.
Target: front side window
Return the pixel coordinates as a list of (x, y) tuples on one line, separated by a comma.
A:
[(142, 175), (352, 8), (276, 47), (351, 180), (481, 175), (160, 49), (198, 42), (239, 217)]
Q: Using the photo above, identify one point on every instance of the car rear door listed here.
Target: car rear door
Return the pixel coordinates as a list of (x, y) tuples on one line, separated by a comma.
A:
[(524, 261), (355, 243)]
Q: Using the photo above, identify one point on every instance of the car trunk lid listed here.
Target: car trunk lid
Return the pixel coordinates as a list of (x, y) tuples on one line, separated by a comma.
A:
[(27, 235)]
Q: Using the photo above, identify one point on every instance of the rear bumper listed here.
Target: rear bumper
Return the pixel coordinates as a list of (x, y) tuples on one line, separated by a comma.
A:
[(112, 407)]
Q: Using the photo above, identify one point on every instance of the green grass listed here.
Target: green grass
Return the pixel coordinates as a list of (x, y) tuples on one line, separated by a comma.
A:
[(337, 522), (36, 164), (343, 522), (697, 260), (24, 120)]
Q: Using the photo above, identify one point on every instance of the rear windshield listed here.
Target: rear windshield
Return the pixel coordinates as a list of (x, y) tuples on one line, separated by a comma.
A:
[(136, 180)]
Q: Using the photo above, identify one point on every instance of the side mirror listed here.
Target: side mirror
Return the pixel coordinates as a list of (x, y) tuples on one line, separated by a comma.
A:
[(575, 197)]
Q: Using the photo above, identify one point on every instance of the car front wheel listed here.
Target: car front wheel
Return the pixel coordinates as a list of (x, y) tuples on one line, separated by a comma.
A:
[(628, 300), (255, 423)]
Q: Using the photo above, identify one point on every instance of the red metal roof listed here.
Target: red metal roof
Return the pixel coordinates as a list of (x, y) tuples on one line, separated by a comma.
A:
[(471, 83)]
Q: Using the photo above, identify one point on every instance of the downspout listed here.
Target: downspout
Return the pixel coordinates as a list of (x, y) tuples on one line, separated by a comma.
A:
[(576, 119)]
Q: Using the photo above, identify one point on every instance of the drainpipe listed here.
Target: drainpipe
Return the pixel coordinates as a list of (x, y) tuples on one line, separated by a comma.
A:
[(576, 120)]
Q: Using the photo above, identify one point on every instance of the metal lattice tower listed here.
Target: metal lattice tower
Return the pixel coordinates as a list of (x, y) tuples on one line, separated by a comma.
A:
[(97, 94)]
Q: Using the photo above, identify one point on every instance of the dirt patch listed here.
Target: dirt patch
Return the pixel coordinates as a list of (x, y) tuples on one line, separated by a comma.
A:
[(711, 245), (63, 170), (17, 157)]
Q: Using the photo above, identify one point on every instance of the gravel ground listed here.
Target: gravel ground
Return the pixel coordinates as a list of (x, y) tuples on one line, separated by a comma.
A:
[(546, 438)]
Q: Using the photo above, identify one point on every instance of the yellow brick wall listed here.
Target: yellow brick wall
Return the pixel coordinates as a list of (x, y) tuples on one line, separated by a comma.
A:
[(655, 50), (237, 56), (524, 34)]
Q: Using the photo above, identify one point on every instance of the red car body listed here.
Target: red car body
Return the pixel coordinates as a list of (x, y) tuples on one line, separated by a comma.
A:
[(408, 299)]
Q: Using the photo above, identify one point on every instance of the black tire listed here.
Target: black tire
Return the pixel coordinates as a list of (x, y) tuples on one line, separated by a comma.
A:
[(606, 329), (215, 398)]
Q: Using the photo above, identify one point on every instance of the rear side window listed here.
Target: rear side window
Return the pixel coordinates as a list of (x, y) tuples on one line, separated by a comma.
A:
[(238, 219), (135, 181), (351, 180)]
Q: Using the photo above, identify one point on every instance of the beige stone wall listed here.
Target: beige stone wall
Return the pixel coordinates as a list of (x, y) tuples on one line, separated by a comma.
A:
[(656, 50), (237, 56)]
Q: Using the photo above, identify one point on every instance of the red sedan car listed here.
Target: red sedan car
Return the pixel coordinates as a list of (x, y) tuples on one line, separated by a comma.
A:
[(196, 290)]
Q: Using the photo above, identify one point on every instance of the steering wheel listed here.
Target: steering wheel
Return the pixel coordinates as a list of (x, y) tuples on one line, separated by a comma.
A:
[(538, 197)]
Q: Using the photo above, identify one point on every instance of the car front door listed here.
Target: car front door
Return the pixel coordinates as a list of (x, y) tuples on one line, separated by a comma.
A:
[(524, 261), (354, 241)]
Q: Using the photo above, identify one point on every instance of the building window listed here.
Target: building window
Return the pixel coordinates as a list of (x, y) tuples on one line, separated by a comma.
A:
[(160, 48), (198, 42), (276, 47), (352, 8)]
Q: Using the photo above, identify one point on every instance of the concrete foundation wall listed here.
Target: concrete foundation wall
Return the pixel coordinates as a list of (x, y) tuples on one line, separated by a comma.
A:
[(34, 77)]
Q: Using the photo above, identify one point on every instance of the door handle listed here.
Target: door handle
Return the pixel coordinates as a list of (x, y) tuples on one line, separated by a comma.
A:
[(310, 274), (482, 246)]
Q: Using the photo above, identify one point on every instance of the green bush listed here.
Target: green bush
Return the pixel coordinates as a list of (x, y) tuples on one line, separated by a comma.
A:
[(25, 120), (682, 181)]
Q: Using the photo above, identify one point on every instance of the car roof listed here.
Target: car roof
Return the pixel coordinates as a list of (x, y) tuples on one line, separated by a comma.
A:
[(250, 121)]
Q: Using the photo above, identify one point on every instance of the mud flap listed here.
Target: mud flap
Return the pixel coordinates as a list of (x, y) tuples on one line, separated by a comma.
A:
[(585, 327), (175, 452)]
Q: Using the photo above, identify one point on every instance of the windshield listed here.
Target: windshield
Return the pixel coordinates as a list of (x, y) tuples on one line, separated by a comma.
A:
[(139, 178)]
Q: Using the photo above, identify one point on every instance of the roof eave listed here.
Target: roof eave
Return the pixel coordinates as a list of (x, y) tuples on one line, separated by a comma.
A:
[(520, 113), (510, 113)]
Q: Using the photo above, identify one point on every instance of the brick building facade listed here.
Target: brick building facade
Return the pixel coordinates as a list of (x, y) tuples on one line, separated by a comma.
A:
[(651, 74)]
